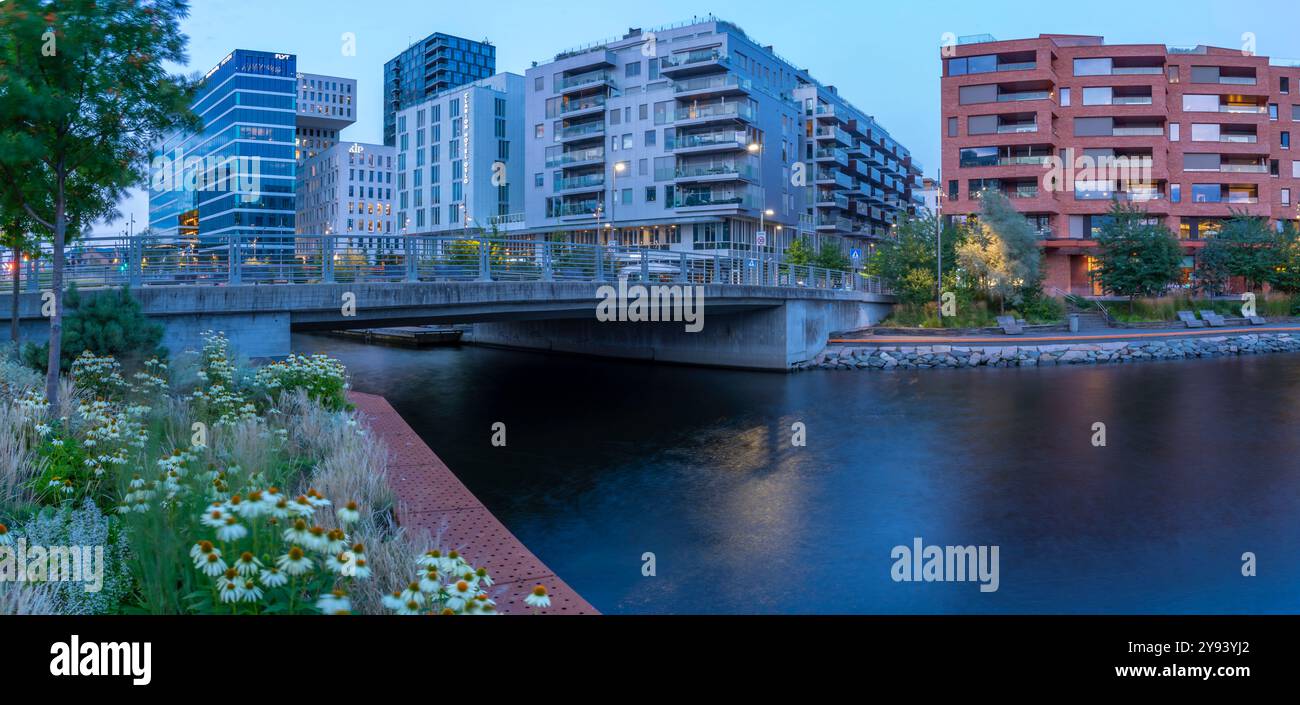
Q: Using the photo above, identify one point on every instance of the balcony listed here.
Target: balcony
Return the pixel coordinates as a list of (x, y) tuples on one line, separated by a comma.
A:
[(1016, 128), (826, 176), (1017, 96), (579, 208), (694, 61), (587, 130), (839, 223), (580, 156), (1251, 168), (716, 199), (583, 80), (728, 83), (830, 154), (704, 112), (710, 171), (585, 183), (1138, 131), (577, 106), (708, 141)]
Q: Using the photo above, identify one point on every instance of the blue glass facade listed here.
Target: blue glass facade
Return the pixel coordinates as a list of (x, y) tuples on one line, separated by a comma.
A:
[(248, 107), (428, 67)]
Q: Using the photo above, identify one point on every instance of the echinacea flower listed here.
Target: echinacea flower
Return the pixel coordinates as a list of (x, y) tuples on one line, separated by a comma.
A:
[(412, 594), (336, 602), (211, 564), (360, 568), (538, 598), (335, 541), (297, 533), (251, 592), (230, 589), (273, 578), (393, 600), (248, 565), (295, 562), (232, 531), (349, 514), (461, 592), (340, 563), (5, 538), (214, 518)]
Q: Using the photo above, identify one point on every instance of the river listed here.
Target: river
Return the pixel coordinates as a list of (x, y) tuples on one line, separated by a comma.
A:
[(606, 461)]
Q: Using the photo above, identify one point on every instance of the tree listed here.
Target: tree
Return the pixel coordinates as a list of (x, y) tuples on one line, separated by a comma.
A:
[(1134, 256), (830, 257), (84, 95), (1018, 246), (907, 263), (16, 237), (800, 252), (1244, 247), (112, 323), (1286, 273)]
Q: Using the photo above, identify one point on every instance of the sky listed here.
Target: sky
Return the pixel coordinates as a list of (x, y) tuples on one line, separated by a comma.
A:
[(883, 56)]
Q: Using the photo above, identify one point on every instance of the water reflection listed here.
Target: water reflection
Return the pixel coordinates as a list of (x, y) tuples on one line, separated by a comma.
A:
[(607, 460)]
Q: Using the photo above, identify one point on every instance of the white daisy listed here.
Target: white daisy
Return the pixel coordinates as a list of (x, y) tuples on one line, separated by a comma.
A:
[(273, 578), (336, 602), (232, 531), (248, 565), (538, 598), (349, 514), (295, 562)]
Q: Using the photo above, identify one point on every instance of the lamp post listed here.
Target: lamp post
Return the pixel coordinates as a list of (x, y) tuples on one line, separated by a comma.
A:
[(938, 242), (613, 211), (762, 215)]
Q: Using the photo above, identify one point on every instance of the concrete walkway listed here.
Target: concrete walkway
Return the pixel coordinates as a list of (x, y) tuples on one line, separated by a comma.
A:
[(432, 500), (1118, 334)]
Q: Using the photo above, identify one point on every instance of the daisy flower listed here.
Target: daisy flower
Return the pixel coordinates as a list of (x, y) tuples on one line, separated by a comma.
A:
[(360, 568), (248, 565), (5, 538), (230, 589), (295, 562), (297, 533), (232, 531), (251, 592), (340, 563), (214, 518), (461, 592), (349, 514), (538, 598), (336, 541), (336, 602), (316, 539), (412, 594), (393, 600), (273, 578), (431, 559), (429, 583), (211, 564)]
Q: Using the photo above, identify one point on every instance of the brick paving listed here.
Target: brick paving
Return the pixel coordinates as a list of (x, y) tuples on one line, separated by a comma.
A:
[(432, 500)]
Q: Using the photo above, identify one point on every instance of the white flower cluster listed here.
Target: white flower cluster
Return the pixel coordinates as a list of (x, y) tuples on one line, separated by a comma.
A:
[(446, 585), (225, 405), (295, 552), (109, 432), (101, 375)]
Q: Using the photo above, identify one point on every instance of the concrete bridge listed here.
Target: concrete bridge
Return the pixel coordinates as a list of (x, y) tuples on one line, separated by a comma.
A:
[(757, 313)]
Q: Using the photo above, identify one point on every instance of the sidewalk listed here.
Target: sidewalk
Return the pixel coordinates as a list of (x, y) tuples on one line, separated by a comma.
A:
[(1119, 334), (432, 500)]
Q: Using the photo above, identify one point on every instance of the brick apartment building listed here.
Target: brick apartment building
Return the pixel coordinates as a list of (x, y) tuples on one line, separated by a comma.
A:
[(1202, 132)]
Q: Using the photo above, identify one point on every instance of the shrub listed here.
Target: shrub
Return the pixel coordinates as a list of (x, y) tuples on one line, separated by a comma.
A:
[(321, 376), (110, 324), (81, 527)]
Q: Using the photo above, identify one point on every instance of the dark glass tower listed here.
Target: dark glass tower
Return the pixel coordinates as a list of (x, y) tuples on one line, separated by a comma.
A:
[(428, 67)]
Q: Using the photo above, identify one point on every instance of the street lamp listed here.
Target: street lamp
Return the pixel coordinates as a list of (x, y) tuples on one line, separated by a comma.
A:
[(619, 167)]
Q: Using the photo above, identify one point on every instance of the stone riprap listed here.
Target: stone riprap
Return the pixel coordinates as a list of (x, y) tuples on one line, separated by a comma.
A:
[(888, 357)]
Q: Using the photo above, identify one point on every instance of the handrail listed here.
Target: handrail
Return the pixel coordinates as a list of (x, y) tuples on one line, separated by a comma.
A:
[(283, 258), (1084, 302)]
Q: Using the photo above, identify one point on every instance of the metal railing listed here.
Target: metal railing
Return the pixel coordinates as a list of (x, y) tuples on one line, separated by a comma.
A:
[(316, 259)]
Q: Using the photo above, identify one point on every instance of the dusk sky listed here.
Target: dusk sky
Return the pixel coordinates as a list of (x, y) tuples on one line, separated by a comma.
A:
[(882, 56)]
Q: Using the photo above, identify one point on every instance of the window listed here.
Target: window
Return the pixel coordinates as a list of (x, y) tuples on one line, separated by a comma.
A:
[(1295, 169), (616, 117), (972, 64), (1205, 133), (539, 83), (1286, 140), (986, 93), (1295, 113), (1286, 196), (1175, 193), (1096, 95), (1092, 67), (1172, 73), (649, 137), (643, 111), (1283, 84), (633, 69), (1201, 162), (1206, 193), (1272, 111), (952, 190), (952, 126), (1197, 103), (650, 194), (1093, 127), (981, 124), (1174, 132), (539, 131), (1065, 97)]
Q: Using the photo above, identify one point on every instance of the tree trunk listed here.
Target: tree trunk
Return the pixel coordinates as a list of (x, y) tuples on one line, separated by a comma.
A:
[(56, 320), (13, 308)]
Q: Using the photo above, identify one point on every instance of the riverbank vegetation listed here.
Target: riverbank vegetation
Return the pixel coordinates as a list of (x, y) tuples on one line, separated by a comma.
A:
[(992, 267), (211, 487)]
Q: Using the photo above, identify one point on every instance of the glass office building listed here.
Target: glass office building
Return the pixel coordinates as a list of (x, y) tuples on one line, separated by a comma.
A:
[(235, 175), (429, 67)]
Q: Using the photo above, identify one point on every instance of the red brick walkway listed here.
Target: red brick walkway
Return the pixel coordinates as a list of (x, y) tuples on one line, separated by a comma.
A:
[(432, 500)]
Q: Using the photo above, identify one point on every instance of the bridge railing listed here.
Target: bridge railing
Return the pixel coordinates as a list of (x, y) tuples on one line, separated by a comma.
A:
[(306, 259)]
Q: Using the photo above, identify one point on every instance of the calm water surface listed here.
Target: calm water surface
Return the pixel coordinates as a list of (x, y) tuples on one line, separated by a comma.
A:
[(608, 460)]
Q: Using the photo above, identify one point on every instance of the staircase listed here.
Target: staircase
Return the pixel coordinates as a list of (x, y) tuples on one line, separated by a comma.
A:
[(1092, 315), (1092, 320)]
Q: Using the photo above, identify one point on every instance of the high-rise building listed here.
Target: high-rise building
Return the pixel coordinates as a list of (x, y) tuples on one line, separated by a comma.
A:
[(696, 137), (235, 175), (460, 161), (1066, 125), (326, 105), (429, 67), (347, 191)]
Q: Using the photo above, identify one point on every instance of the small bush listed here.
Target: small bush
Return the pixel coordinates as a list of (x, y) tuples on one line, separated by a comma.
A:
[(110, 324)]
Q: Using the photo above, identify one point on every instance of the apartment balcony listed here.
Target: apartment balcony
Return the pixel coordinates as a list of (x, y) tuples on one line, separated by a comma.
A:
[(685, 173), (836, 223), (580, 157), (594, 103), (827, 132), (714, 85), (828, 177), (584, 131), (580, 209), (583, 81), (830, 154), (826, 113), (692, 62), (718, 199), (700, 143), (597, 59), (700, 113), (831, 199), (586, 182)]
